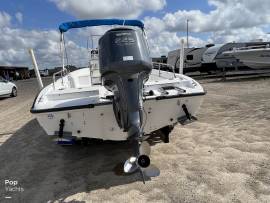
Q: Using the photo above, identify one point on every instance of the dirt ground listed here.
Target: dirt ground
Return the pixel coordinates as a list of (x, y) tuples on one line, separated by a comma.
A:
[(223, 157)]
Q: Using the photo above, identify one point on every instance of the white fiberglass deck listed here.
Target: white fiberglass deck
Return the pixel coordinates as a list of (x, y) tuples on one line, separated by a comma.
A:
[(75, 89)]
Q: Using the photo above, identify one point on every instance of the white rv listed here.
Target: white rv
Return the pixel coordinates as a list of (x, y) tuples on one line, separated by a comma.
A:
[(192, 61)]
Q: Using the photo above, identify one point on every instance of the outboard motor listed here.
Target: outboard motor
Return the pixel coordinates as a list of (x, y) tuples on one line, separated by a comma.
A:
[(125, 65)]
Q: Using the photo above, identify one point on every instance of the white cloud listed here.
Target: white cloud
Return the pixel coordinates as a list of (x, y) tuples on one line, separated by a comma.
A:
[(163, 42), (240, 35), (14, 45), (4, 19), (19, 17), (228, 14), (229, 20), (108, 8)]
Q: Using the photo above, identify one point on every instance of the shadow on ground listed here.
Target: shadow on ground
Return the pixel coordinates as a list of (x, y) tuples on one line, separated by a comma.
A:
[(47, 171), (4, 97)]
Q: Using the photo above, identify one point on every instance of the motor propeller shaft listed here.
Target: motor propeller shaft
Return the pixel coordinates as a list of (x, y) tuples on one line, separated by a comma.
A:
[(140, 159), (143, 161)]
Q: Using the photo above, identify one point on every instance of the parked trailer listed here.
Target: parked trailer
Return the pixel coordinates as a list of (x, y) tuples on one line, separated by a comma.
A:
[(192, 59), (214, 57)]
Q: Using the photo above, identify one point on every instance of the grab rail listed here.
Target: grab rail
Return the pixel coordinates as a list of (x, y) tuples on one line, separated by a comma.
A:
[(164, 64), (63, 73)]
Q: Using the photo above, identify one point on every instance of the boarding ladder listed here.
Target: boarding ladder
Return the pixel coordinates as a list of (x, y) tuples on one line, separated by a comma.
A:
[(94, 67)]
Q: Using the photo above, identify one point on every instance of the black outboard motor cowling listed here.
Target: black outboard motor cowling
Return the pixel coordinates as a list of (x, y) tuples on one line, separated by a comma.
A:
[(125, 65), (123, 51)]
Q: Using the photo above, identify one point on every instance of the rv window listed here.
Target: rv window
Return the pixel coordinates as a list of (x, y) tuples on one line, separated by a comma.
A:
[(189, 57)]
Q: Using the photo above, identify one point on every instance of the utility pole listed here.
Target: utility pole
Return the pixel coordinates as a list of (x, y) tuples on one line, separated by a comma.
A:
[(187, 33)]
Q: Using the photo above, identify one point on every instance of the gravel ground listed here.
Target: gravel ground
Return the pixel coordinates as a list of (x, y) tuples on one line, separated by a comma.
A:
[(223, 157)]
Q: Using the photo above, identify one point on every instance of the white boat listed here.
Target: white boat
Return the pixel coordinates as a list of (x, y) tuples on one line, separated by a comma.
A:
[(256, 57), (214, 58), (119, 96)]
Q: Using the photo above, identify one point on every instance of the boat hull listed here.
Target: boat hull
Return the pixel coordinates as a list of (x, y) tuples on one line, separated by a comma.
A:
[(99, 121)]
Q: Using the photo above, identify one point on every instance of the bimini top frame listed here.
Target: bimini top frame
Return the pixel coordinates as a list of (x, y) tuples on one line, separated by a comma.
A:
[(98, 22), (64, 27)]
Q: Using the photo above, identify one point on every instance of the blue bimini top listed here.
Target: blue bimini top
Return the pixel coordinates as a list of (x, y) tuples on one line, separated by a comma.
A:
[(98, 22)]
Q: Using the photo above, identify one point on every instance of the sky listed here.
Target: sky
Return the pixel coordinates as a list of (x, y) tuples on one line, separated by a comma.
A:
[(34, 24)]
